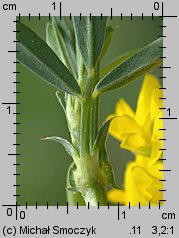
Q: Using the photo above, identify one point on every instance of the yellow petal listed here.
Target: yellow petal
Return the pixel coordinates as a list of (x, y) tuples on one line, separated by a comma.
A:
[(137, 144), (157, 144), (144, 101), (142, 186), (156, 103), (116, 195), (133, 188), (155, 170), (122, 127), (123, 108)]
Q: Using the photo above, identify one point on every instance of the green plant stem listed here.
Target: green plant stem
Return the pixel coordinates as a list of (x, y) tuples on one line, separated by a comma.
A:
[(89, 177), (86, 106), (90, 181), (95, 108)]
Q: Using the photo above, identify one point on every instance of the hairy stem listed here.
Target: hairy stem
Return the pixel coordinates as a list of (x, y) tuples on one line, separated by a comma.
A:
[(95, 108)]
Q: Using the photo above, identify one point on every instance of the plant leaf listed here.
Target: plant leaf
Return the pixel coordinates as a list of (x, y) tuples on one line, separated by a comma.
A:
[(71, 178), (109, 172), (62, 42), (108, 37), (68, 147), (132, 68), (62, 104), (116, 63), (90, 37), (102, 135), (100, 148), (36, 55)]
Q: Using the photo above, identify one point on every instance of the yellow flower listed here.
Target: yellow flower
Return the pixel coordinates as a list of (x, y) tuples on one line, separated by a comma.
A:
[(142, 183), (139, 132)]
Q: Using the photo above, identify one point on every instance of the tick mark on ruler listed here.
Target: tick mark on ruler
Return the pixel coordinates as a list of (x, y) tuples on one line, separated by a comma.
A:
[(67, 207), (165, 170), (12, 103), (118, 211), (13, 51), (164, 67), (170, 118), (60, 10), (14, 154), (111, 13)]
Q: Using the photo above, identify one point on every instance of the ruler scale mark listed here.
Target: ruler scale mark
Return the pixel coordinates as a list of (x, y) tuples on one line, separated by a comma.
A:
[(168, 118), (60, 10), (118, 211), (67, 208)]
